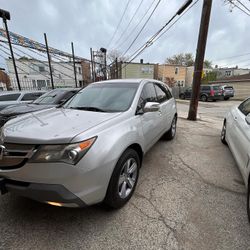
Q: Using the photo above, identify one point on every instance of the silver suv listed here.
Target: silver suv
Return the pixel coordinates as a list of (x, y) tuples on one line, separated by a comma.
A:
[(89, 150)]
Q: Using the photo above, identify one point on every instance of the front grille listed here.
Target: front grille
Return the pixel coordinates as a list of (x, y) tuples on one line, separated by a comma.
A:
[(15, 155)]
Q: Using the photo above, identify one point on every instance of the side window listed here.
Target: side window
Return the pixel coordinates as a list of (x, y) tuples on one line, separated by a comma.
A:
[(205, 88), (245, 107), (31, 96), (10, 97), (161, 94), (148, 94)]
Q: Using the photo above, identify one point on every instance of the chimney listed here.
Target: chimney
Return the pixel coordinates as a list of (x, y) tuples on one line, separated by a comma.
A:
[(141, 61)]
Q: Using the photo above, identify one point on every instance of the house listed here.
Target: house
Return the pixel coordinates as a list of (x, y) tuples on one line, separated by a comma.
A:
[(35, 73), (130, 70), (230, 72), (173, 75), (4, 80)]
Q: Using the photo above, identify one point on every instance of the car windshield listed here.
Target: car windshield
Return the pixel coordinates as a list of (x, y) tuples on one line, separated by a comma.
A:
[(49, 98), (104, 97)]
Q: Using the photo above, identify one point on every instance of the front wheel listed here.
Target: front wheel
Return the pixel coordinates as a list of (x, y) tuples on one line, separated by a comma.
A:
[(204, 98), (170, 134), (123, 180)]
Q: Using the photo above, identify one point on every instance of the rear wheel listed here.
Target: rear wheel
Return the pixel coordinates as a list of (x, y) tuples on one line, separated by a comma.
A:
[(204, 98), (223, 133), (123, 180), (226, 98), (170, 134)]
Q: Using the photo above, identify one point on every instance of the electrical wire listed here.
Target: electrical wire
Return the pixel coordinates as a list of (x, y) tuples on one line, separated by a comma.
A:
[(243, 5), (238, 7), (119, 23), (138, 34), (132, 18), (132, 31)]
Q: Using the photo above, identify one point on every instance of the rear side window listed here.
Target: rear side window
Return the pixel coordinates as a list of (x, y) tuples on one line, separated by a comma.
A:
[(31, 96), (10, 97), (245, 107), (216, 87), (205, 88), (161, 94), (229, 88)]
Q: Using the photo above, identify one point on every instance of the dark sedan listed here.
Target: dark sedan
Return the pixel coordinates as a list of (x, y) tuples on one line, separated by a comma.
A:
[(50, 99)]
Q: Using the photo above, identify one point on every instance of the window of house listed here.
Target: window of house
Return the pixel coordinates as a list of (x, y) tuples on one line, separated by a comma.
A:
[(80, 70), (34, 83), (176, 71), (228, 73), (48, 82), (41, 69)]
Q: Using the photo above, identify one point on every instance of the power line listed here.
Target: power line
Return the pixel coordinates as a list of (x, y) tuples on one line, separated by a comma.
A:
[(126, 7), (154, 37), (132, 31), (235, 5), (132, 18), (138, 34), (222, 59), (243, 5)]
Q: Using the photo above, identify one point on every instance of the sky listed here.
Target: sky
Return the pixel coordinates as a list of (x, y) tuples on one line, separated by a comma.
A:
[(92, 23)]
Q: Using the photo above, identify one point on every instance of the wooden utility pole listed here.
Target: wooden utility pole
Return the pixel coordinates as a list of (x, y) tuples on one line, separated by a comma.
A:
[(49, 60), (199, 60), (92, 65), (74, 62)]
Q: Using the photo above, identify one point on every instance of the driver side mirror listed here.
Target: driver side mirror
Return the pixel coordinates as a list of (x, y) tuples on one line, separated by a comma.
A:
[(151, 107), (248, 119)]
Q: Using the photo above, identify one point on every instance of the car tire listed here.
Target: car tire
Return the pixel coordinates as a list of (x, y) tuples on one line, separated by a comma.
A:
[(226, 98), (223, 133), (182, 96), (123, 180), (170, 134), (204, 98), (248, 202)]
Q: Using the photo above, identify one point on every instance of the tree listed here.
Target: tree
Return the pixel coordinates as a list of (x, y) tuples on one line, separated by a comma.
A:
[(207, 64), (113, 54), (186, 59)]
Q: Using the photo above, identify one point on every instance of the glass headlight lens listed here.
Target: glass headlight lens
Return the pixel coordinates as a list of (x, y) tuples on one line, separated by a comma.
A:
[(68, 153)]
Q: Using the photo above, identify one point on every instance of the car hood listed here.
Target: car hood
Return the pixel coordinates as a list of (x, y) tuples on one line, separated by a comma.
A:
[(52, 126), (22, 109)]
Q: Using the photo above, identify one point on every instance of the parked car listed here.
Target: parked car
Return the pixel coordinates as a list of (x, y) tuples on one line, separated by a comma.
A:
[(227, 91), (236, 134), (90, 150), (207, 93), (48, 100), (8, 98)]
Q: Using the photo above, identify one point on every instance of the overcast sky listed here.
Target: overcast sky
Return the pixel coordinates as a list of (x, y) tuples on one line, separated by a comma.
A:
[(91, 23)]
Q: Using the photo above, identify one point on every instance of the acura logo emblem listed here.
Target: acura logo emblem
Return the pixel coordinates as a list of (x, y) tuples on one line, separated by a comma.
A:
[(2, 149)]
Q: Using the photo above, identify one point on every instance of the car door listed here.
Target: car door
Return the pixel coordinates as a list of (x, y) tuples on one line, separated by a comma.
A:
[(151, 121), (241, 138), (165, 107)]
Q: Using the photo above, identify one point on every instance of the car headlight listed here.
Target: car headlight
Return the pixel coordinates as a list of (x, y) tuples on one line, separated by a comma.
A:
[(68, 153)]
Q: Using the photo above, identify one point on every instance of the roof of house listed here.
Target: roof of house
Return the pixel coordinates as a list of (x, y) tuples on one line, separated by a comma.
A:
[(237, 78)]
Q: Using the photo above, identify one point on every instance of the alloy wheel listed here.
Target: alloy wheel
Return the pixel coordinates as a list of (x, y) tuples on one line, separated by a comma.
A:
[(127, 178)]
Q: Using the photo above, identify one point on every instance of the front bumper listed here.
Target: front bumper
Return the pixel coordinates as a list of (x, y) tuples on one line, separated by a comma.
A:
[(47, 193)]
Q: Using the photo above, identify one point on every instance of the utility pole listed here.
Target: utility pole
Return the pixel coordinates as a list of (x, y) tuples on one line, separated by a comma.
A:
[(92, 65), (104, 51), (199, 60), (116, 68), (74, 62), (5, 15), (49, 60)]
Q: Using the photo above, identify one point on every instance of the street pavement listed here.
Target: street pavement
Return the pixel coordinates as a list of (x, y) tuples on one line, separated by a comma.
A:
[(190, 195)]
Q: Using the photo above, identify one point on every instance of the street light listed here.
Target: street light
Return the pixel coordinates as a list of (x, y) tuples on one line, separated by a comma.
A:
[(5, 15)]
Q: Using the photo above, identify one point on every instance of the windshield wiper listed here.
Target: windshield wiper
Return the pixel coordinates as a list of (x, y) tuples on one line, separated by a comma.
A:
[(95, 109)]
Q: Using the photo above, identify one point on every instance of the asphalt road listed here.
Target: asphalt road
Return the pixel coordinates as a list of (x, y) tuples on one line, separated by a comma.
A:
[(190, 195)]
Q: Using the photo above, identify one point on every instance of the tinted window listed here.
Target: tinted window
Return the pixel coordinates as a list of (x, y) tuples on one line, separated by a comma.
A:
[(245, 107), (205, 88), (229, 88), (115, 97), (161, 94), (216, 87), (31, 96), (10, 97), (52, 97), (66, 96)]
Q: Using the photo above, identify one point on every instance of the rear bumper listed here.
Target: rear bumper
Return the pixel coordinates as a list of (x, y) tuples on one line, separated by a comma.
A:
[(42, 192)]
